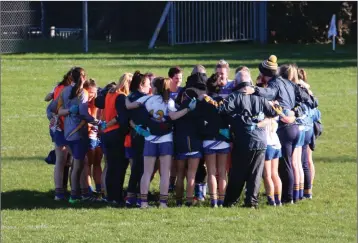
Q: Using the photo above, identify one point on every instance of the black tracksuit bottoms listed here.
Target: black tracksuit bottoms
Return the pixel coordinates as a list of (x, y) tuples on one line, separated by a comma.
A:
[(117, 164), (247, 167)]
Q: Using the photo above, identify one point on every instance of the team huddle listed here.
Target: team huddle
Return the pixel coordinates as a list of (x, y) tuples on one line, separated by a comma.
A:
[(212, 133)]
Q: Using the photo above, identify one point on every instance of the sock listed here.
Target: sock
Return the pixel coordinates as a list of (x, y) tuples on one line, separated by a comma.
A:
[(85, 192), (301, 191), (278, 199), (271, 199), (201, 192), (213, 199), (144, 198), (75, 194), (204, 189), (59, 192), (295, 192), (90, 189), (189, 201), (221, 199), (98, 188), (131, 198), (214, 202), (307, 193), (163, 199)]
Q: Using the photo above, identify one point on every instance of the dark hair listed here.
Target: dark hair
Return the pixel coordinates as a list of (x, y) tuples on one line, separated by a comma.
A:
[(66, 79), (163, 87), (137, 80), (110, 85), (173, 71), (105, 90), (76, 77), (284, 71), (210, 83)]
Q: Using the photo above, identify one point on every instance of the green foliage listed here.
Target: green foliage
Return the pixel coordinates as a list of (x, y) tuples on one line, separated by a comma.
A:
[(308, 21)]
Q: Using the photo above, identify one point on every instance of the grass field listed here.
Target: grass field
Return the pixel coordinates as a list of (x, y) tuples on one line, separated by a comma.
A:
[(29, 213)]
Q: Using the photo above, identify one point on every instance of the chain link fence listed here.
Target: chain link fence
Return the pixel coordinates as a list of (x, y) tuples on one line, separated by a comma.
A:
[(19, 23)]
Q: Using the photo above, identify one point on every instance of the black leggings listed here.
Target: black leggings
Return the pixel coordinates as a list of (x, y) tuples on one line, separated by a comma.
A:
[(288, 136), (305, 160), (116, 164), (137, 165)]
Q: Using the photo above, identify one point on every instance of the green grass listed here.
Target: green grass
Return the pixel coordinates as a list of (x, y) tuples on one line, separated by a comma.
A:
[(30, 215)]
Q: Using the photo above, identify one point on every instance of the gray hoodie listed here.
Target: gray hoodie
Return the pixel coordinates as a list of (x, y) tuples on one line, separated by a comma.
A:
[(74, 120)]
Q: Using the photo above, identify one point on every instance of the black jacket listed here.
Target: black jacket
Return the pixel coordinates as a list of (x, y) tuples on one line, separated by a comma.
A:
[(186, 134), (209, 121), (243, 109)]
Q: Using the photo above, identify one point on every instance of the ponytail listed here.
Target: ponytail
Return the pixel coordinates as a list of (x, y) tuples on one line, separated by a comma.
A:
[(162, 86), (302, 74), (67, 79), (76, 77)]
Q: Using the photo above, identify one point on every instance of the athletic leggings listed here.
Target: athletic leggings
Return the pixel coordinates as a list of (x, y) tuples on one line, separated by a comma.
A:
[(288, 136), (137, 165), (116, 164), (305, 159)]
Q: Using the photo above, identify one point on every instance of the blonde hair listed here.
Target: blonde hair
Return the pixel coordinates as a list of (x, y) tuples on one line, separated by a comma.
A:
[(289, 72), (302, 74), (124, 83)]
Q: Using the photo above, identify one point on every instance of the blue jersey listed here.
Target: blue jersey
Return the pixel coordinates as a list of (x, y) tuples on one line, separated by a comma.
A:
[(173, 95), (227, 89)]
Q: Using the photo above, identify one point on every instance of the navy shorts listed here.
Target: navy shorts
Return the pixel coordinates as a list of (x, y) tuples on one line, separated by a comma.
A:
[(52, 135), (157, 149), (93, 143), (190, 155), (272, 153), (301, 139), (78, 148), (129, 152), (59, 138), (217, 151), (308, 136)]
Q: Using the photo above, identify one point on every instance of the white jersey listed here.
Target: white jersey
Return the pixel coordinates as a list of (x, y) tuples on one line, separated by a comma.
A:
[(159, 110), (271, 134)]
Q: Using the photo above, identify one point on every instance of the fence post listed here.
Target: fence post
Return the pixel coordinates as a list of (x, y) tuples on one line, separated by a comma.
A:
[(43, 20), (262, 22), (160, 24), (171, 25), (85, 26)]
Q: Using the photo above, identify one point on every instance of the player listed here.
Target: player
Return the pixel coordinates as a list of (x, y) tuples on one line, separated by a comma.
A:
[(161, 107)]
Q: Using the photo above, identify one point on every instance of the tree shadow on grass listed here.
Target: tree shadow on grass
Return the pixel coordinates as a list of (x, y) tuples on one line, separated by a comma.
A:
[(30, 200)]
